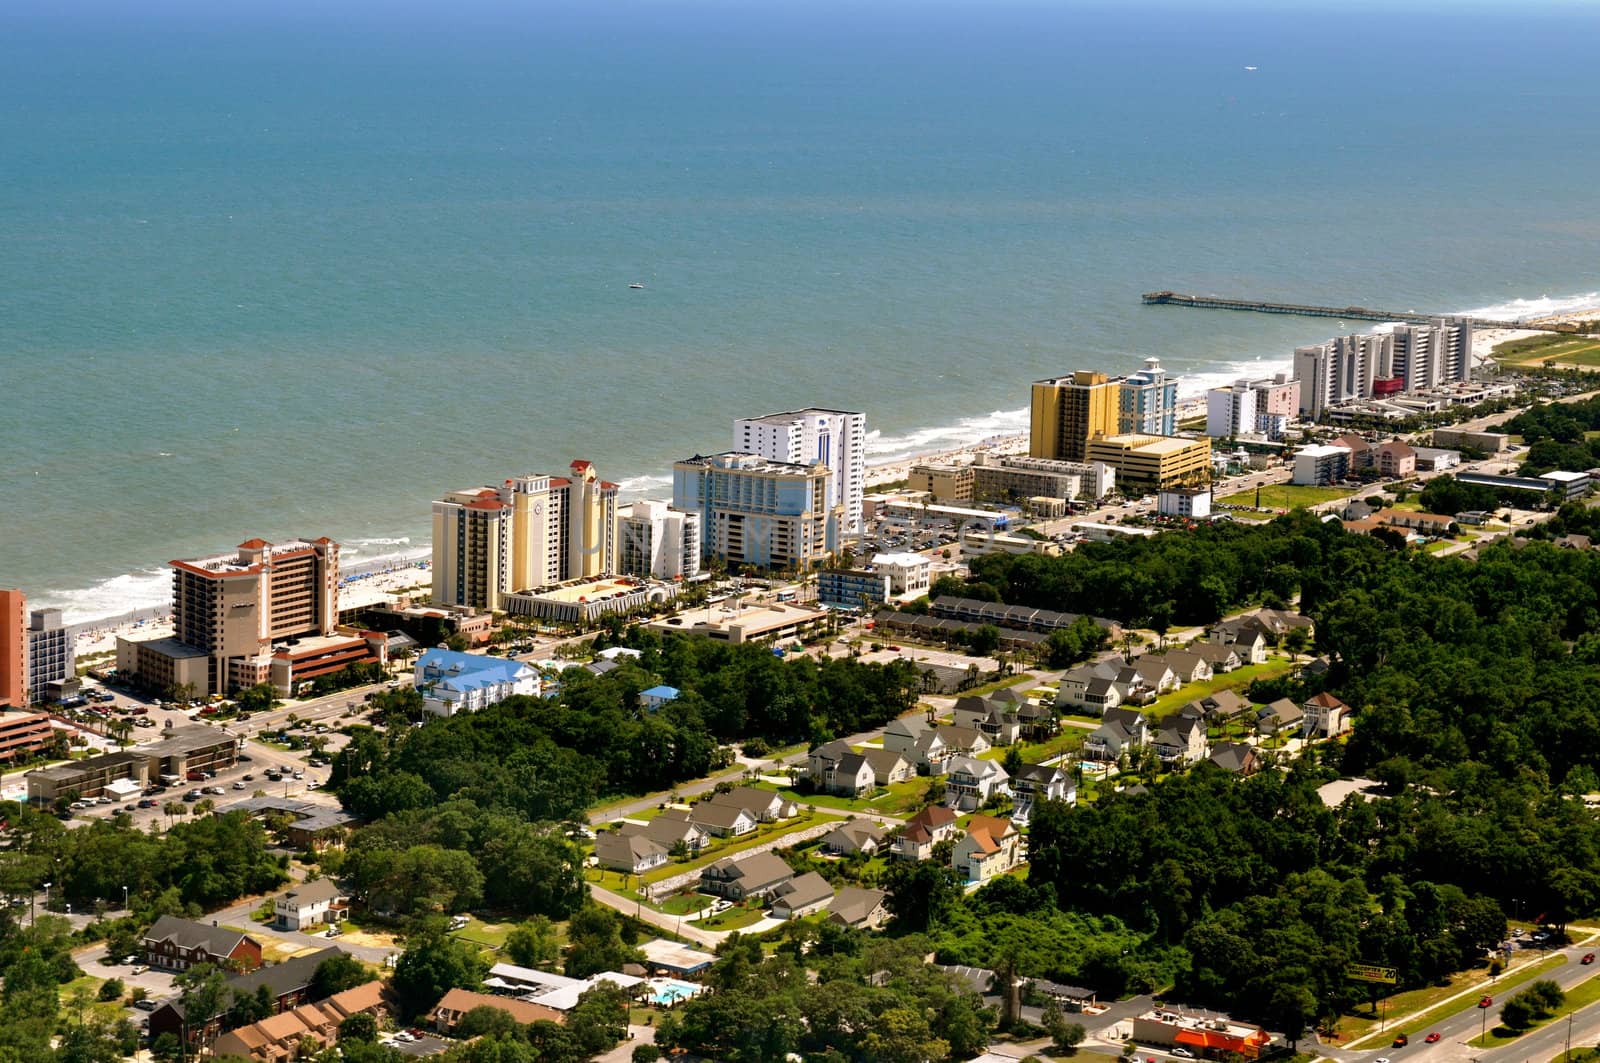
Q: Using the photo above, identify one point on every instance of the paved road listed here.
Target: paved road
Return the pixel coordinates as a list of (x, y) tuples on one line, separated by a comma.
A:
[(628, 906)]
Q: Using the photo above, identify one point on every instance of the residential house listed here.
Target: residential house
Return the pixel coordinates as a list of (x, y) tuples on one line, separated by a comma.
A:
[(767, 806), (1224, 705), (1102, 695), (278, 1038), (1251, 646), (1039, 722), (668, 829), (989, 848), (997, 722), (854, 836), (969, 782), (820, 762), (1236, 757), (1436, 525), (902, 735), (450, 1010), (1276, 623), (923, 831), (1157, 674), (752, 876), (1180, 740), (1123, 729), (1083, 689), (962, 741), (1189, 667), (888, 767), (287, 984), (631, 853), (178, 944), (1131, 686), (1282, 716), (801, 896), (651, 700), (1325, 717), (1221, 658), (862, 909), (722, 821), (311, 904), (1395, 458), (452, 682), (930, 752), (1035, 783), (850, 776)]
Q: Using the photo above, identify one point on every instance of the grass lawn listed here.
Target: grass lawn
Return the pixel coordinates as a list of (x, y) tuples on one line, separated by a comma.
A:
[(1579, 996), (1237, 679), (1358, 1026), (901, 798), (985, 689), (1287, 496), (1038, 752), (1539, 350), (489, 935), (719, 849), (736, 918), (684, 903)]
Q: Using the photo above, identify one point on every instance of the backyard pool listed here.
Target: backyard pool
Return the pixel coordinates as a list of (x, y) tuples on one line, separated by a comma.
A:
[(665, 992)]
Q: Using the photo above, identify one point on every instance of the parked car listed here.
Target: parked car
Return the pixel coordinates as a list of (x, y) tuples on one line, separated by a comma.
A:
[(146, 1005)]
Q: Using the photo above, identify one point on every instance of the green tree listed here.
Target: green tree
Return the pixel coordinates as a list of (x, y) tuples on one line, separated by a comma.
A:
[(359, 1027), (533, 943), (595, 943), (433, 964), (202, 991), (336, 974)]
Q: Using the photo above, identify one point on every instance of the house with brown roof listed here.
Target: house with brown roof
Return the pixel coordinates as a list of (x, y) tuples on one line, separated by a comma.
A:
[(989, 848), (1395, 458), (722, 821), (801, 896), (752, 876), (1236, 757), (448, 1013), (1220, 658), (766, 806), (861, 908), (1325, 717), (1282, 716), (1188, 666), (923, 831), (277, 1038), (668, 829), (888, 766), (634, 854), (178, 944)]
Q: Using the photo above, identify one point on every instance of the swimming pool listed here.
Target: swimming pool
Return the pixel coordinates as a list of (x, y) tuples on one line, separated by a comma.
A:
[(665, 992)]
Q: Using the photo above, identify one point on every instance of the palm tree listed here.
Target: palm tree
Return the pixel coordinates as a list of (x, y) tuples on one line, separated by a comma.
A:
[(174, 808), (204, 807)]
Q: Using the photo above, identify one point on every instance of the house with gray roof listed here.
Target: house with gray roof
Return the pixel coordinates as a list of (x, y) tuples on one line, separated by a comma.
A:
[(178, 944), (631, 853), (1221, 658), (863, 909), (801, 896), (668, 829), (888, 766), (752, 876), (854, 836), (722, 821), (1282, 716)]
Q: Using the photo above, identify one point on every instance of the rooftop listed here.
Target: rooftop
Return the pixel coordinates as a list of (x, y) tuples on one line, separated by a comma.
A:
[(591, 590), (740, 461)]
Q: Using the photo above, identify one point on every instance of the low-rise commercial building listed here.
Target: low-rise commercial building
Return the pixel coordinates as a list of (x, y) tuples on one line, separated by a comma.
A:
[(1185, 502), (1013, 477), (178, 944), (584, 602), (279, 1038), (1153, 462), (1318, 465), (311, 904), (184, 749), (738, 624), (1203, 1035), (452, 682)]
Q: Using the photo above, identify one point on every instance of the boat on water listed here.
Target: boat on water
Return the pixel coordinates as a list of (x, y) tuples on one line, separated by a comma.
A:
[(636, 286)]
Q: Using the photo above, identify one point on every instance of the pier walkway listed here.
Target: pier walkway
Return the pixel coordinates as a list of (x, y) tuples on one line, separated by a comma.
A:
[(1356, 313)]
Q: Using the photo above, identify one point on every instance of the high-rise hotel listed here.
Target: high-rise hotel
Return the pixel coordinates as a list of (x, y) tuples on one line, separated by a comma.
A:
[(1378, 364), (836, 439), (531, 532)]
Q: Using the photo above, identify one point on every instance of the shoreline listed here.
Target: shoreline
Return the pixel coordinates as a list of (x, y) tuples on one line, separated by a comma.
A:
[(890, 469)]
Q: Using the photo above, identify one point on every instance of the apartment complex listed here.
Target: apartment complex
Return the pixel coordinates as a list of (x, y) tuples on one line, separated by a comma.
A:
[(1011, 478), (23, 734), (1320, 465), (1154, 462), (659, 542), (530, 532), (757, 511), (188, 748), (834, 438), (1261, 407), (1148, 401), (1374, 365), (13, 648), (1069, 411), (52, 657)]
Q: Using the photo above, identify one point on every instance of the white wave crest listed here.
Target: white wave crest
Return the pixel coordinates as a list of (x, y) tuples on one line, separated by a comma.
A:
[(639, 486), (148, 588), (882, 449), (1542, 306)]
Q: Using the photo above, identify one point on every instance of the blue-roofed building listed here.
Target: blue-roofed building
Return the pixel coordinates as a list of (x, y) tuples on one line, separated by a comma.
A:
[(652, 699), (452, 682)]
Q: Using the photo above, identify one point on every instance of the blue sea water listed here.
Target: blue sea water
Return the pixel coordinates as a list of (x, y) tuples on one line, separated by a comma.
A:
[(271, 270)]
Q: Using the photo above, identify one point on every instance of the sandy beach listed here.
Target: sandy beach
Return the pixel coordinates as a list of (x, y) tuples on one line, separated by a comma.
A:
[(1484, 341)]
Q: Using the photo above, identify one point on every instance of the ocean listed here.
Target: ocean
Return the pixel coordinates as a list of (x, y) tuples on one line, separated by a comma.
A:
[(274, 271)]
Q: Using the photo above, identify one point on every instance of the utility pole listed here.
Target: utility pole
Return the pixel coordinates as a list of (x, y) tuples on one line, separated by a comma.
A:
[(1570, 1016)]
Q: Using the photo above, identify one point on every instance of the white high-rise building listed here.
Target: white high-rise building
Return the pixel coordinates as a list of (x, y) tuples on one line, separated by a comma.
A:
[(835, 438), (1377, 364), (658, 541), (1252, 407)]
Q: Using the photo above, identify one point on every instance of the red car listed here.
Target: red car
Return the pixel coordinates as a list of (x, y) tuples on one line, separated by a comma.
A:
[(1486, 1002), (1432, 1039), (1588, 957)]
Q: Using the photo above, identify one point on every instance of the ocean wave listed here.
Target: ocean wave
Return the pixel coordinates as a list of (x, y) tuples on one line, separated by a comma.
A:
[(1195, 385), (640, 486), (1542, 306), (882, 449), (404, 540), (147, 588)]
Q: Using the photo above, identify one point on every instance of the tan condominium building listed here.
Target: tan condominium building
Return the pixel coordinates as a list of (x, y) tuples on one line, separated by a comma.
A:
[(229, 610), (1069, 411), (1154, 462), (531, 532)]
